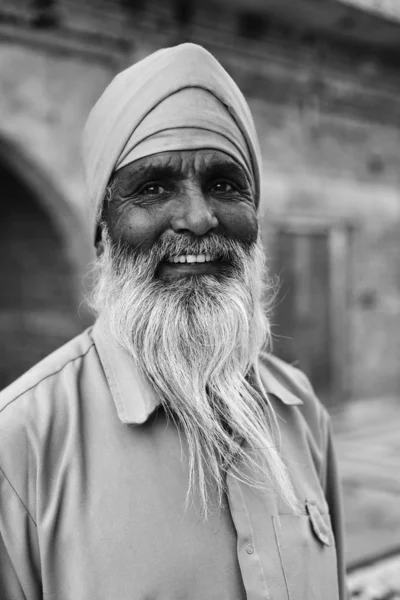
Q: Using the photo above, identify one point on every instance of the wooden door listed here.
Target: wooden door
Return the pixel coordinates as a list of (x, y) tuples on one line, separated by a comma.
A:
[(310, 321)]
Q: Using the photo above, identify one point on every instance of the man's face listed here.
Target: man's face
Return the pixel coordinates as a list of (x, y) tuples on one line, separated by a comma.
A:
[(192, 192)]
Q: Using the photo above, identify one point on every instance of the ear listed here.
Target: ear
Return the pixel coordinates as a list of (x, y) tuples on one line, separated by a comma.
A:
[(99, 248), (99, 244)]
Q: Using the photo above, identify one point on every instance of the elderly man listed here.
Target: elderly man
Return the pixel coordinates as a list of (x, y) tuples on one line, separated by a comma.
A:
[(163, 454)]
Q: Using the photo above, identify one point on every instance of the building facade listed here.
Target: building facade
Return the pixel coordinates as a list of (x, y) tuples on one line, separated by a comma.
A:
[(327, 109)]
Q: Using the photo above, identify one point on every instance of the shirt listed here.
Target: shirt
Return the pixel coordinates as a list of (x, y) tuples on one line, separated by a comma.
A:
[(93, 482)]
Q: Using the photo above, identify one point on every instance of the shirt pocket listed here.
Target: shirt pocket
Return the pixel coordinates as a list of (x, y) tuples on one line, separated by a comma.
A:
[(308, 554)]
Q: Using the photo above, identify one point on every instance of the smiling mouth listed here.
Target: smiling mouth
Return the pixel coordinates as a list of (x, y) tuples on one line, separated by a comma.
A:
[(191, 259), (190, 264)]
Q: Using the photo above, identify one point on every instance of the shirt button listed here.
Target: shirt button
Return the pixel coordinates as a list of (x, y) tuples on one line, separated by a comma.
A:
[(249, 549)]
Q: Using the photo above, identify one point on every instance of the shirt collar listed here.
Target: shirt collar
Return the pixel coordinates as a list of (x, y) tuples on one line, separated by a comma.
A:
[(134, 397)]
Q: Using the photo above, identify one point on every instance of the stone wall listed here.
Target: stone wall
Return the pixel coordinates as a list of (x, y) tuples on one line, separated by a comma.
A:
[(38, 304), (329, 131)]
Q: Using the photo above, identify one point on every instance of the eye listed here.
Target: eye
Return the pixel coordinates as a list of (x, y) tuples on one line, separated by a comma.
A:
[(152, 189), (223, 187)]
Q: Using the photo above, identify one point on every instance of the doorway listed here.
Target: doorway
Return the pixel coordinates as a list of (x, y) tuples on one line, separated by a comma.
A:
[(311, 320), (38, 300)]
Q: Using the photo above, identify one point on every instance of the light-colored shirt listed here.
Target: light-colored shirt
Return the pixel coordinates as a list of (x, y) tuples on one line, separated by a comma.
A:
[(93, 482)]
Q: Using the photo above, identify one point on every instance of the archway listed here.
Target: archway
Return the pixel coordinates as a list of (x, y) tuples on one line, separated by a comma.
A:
[(39, 277)]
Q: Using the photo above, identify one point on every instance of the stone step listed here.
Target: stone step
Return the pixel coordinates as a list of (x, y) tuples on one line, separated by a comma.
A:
[(379, 581)]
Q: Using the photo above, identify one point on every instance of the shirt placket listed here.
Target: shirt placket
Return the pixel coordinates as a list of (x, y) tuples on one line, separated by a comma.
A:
[(255, 520)]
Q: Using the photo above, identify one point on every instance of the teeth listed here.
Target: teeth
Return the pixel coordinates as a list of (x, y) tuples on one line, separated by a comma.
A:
[(190, 258)]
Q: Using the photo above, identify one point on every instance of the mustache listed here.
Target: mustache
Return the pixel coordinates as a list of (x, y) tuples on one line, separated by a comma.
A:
[(219, 246)]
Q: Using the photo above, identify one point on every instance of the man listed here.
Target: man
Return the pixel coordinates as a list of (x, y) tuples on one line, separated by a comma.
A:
[(163, 454)]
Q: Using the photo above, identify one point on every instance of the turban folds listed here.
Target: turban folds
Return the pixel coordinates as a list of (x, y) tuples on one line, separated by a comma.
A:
[(175, 99)]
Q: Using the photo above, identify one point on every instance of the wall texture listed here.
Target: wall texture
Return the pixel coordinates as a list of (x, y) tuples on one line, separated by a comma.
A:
[(329, 130)]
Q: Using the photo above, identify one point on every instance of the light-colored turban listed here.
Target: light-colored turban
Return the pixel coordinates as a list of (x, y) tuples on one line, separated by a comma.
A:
[(178, 98)]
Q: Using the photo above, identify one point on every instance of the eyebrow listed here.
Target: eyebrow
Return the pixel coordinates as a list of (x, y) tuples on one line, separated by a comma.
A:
[(148, 172), (227, 169), (151, 171)]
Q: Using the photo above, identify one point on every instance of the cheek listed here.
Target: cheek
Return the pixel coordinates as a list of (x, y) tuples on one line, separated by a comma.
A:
[(241, 223), (137, 227)]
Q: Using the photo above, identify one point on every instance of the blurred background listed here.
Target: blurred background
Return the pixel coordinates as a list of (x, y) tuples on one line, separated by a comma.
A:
[(323, 82)]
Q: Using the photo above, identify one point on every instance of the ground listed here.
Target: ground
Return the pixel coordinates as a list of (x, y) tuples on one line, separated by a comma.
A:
[(368, 448), (380, 581)]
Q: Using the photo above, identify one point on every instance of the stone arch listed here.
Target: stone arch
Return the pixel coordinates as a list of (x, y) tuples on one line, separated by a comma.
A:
[(43, 254), (64, 218)]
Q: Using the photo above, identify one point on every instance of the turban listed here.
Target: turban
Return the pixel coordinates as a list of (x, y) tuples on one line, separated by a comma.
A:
[(175, 99)]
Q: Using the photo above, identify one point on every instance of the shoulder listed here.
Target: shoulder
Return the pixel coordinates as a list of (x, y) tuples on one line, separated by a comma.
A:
[(47, 371), (292, 388), (40, 401), (34, 414)]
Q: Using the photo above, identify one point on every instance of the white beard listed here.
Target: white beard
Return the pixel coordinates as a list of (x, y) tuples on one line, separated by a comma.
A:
[(196, 339)]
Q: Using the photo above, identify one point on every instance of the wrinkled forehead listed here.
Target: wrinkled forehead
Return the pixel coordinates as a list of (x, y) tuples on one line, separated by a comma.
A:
[(191, 119), (182, 164)]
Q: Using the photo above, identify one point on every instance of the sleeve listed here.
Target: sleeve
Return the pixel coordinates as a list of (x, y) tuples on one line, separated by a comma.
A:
[(333, 494), (19, 547)]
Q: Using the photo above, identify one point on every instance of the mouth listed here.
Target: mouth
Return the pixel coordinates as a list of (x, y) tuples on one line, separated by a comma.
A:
[(191, 259), (191, 264)]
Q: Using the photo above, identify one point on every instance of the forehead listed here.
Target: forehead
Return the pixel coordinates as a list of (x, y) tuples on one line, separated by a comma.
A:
[(182, 162)]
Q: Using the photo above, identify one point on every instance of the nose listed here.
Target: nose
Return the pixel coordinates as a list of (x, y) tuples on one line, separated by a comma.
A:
[(194, 215)]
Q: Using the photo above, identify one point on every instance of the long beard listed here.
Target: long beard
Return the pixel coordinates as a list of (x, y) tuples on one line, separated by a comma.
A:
[(196, 340)]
